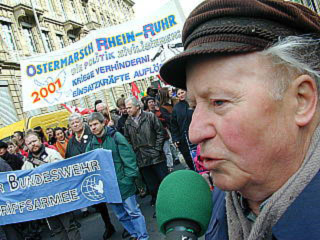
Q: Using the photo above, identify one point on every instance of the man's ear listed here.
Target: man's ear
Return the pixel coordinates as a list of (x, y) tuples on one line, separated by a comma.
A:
[(306, 98)]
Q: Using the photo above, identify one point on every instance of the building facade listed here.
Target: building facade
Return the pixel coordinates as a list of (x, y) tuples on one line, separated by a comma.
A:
[(61, 22)]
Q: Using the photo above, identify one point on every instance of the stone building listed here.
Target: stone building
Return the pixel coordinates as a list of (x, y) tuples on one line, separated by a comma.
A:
[(62, 22)]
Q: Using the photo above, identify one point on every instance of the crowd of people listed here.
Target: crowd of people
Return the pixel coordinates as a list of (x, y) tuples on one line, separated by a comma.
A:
[(145, 137)]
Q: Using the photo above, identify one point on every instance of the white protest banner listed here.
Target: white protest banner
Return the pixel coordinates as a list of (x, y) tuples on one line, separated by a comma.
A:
[(104, 58)]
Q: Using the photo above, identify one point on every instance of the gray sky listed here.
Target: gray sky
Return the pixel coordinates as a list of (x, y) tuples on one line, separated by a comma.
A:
[(141, 7)]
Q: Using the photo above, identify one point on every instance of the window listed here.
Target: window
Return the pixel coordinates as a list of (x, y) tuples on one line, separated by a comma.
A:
[(60, 40), (8, 112), (47, 40), (94, 16), (8, 36), (85, 10), (29, 38), (50, 5), (73, 7), (62, 8), (103, 21), (72, 38)]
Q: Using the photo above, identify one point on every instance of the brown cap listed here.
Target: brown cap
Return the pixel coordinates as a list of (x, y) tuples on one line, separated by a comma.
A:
[(237, 26)]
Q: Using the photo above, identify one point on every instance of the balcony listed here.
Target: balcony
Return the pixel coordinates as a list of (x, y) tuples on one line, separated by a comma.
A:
[(23, 8), (93, 25)]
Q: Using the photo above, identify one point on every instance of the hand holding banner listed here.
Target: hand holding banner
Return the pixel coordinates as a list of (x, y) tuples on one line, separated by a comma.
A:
[(55, 188)]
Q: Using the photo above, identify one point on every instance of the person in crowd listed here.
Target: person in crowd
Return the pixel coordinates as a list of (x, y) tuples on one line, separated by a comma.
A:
[(151, 107), (4, 167), (141, 186), (150, 104), (128, 212), (61, 225), (19, 137), (96, 103), (124, 115), (13, 148), (43, 138), (61, 141), (165, 112), (104, 109), (180, 121), (13, 160), (144, 132), (252, 70), (51, 137), (76, 146)]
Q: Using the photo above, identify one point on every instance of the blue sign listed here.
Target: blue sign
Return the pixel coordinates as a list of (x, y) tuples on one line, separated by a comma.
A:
[(55, 188)]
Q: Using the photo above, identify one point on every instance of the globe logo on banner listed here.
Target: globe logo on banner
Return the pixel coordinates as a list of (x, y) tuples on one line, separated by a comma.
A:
[(92, 188)]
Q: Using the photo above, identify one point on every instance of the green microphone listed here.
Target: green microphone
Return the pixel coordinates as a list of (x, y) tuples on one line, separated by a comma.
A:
[(183, 205)]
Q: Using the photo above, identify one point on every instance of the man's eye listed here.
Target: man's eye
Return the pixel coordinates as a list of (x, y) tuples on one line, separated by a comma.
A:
[(218, 103)]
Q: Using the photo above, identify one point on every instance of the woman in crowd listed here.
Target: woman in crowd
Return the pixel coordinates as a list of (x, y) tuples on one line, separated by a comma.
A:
[(180, 121), (62, 141)]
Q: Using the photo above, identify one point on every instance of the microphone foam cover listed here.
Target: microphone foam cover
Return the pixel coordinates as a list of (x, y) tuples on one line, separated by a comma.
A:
[(184, 194)]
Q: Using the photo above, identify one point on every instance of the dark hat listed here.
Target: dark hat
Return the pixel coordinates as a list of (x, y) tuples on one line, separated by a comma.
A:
[(237, 26), (3, 144)]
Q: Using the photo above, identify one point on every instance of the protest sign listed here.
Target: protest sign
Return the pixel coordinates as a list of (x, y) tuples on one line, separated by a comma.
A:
[(104, 58), (55, 188)]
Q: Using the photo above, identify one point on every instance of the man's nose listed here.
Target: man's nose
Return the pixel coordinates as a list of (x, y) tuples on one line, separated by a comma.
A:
[(202, 125)]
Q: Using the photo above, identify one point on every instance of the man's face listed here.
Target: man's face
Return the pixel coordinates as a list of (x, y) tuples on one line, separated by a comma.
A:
[(101, 107), (247, 138), (60, 135), (131, 109), (76, 125), (49, 133), (3, 151), (96, 127), (123, 110), (17, 137), (181, 94), (12, 148), (33, 143), (151, 105)]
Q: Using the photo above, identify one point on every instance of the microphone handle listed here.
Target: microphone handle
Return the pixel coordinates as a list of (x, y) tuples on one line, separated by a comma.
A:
[(181, 229)]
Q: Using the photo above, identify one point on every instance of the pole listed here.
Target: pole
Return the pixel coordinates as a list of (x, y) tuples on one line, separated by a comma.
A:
[(38, 27), (179, 8)]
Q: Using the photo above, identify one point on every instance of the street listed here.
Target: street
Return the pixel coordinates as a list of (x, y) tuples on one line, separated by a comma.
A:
[(92, 226)]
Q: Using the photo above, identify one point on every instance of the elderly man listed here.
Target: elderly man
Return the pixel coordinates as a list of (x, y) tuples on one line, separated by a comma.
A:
[(61, 225), (76, 146), (251, 69), (145, 132)]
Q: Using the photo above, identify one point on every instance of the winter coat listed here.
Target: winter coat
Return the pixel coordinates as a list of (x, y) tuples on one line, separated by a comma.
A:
[(4, 166), (121, 123), (13, 160), (146, 138), (180, 121), (124, 159), (74, 147), (48, 155), (299, 222)]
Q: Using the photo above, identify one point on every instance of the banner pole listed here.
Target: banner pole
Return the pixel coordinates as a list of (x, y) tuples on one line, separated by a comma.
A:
[(178, 5)]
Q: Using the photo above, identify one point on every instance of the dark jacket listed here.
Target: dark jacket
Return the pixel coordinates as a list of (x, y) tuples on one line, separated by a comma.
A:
[(121, 123), (13, 160), (74, 147), (124, 159), (146, 138), (299, 222), (180, 120), (4, 166)]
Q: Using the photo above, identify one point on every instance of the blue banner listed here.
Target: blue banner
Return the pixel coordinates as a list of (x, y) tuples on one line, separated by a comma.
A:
[(58, 187)]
